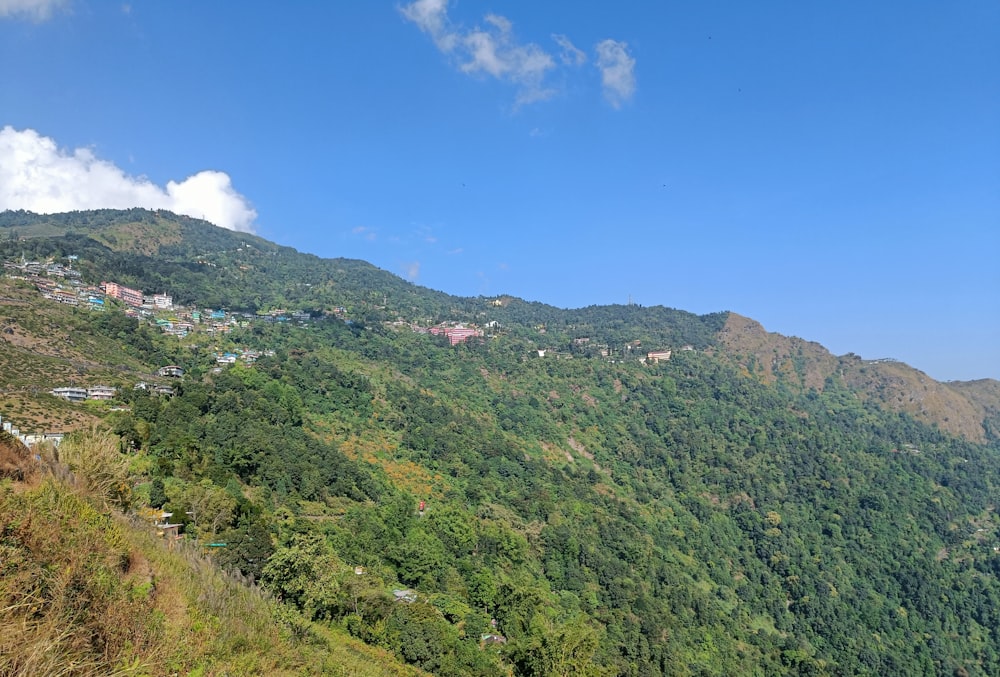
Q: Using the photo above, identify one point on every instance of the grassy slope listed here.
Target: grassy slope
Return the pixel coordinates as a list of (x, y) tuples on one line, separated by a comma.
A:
[(44, 345), (83, 592)]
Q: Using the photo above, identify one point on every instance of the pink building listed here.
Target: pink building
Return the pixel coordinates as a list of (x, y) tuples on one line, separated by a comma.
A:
[(455, 335), (133, 297), (458, 335)]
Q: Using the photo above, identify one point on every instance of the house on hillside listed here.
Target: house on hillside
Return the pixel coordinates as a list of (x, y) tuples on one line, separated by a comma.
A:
[(657, 356), (407, 596), (171, 370), (101, 393), (457, 334), (63, 296), (71, 393), (165, 529), (34, 439), (132, 297)]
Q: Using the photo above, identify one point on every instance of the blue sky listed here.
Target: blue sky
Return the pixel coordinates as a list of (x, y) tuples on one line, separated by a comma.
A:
[(829, 169)]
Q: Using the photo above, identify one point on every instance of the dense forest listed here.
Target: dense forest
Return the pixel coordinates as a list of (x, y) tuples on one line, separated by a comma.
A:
[(481, 508)]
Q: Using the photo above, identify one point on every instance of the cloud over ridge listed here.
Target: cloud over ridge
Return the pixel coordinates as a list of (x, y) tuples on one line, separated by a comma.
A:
[(37, 175)]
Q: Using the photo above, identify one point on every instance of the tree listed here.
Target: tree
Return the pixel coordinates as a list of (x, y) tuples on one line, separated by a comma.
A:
[(247, 547), (557, 649), (307, 573), (210, 507), (157, 493), (419, 557)]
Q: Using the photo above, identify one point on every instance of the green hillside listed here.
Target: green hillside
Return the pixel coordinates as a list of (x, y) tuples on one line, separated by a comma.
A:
[(199, 263), (540, 499), (83, 593)]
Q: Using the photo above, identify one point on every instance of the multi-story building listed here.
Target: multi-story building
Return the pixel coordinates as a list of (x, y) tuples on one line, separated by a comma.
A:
[(458, 335), (71, 393), (132, 297), (101, 393)]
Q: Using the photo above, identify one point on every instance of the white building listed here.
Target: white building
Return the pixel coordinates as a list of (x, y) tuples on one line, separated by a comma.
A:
[(657, 356), (70, 393), (101, 393)]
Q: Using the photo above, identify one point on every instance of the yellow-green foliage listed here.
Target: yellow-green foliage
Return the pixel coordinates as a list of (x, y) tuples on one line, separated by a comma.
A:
[(83, 592), (99, 466)]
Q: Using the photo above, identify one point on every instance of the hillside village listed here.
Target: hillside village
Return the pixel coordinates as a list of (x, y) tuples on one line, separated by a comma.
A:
[(60, 282)]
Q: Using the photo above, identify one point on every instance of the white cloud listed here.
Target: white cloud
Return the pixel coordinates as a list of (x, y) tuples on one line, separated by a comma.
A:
[(617, 71), (211, 194), (431, 16), (570, 54), (491, 49), (37, 10), (37, 175)]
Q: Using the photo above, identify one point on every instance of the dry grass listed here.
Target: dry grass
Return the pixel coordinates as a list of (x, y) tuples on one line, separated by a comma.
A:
[(66, 605), (98, 467), (85, 591), (16, 461)]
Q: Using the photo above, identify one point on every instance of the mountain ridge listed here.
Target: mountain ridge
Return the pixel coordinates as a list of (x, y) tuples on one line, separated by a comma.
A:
[(971, 411), (955, 407)]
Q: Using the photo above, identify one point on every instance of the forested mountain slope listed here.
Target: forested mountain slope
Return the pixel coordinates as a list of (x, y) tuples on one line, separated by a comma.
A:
[(540, 499)]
